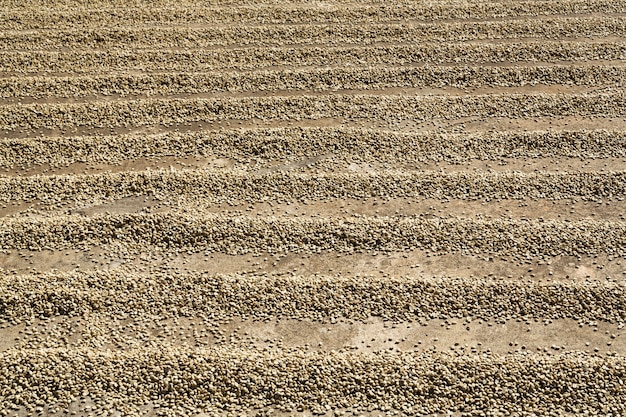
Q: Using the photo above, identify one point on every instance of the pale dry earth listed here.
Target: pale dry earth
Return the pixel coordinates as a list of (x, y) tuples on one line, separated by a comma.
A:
[(295, 208)]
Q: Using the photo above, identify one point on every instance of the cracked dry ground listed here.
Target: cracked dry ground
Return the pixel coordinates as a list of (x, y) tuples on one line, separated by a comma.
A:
[(335, 208)]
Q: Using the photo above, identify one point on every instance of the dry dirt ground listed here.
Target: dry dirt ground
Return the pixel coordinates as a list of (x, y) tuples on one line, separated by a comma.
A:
[(339, 207)]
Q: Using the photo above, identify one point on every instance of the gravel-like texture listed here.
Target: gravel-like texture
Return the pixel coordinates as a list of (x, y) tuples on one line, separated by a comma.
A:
[(351, 144), (238, 235), (127, 294), (33, 18), (224, 186), (357, 107), (182, 295), (254, 57), (356, 34), (312, 79), (226, 378)]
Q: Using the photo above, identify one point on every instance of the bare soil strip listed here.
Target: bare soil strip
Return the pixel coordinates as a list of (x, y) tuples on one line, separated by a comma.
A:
[(423, 263), (466, 335)]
